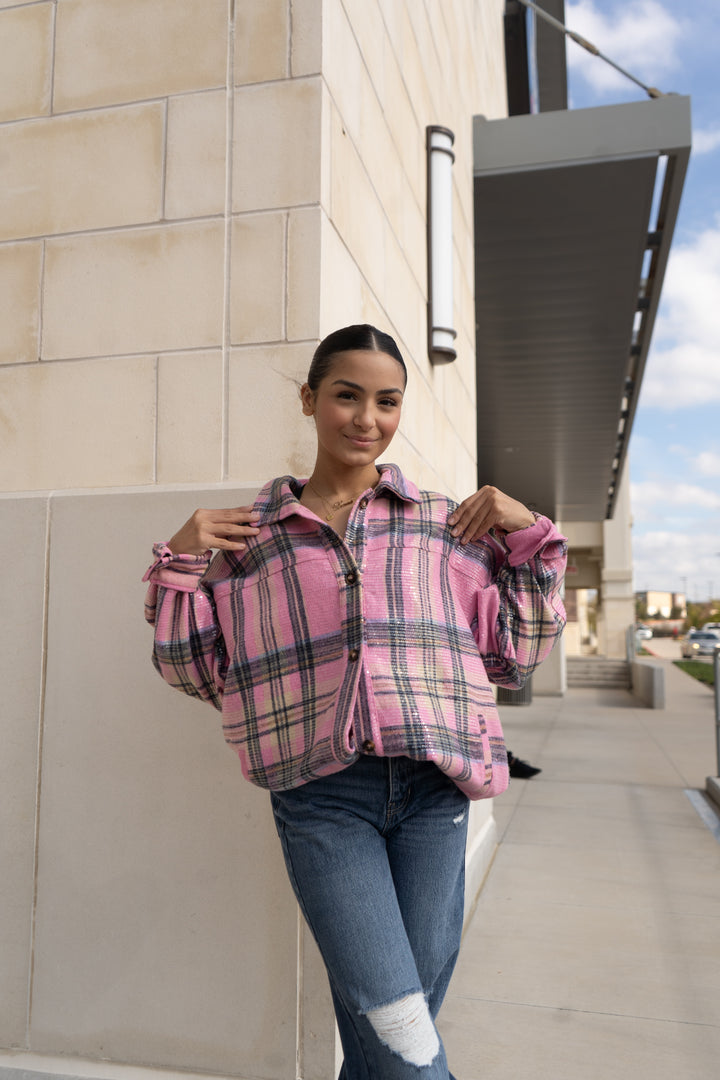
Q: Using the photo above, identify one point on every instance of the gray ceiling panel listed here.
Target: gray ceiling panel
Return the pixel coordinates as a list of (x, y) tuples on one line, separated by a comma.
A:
[(563, 205)]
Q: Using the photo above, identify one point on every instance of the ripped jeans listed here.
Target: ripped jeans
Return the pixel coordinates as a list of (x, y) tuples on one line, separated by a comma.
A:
[(376, 857)]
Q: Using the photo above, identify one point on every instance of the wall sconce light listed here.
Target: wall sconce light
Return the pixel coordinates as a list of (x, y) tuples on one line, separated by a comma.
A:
[(440, 157)]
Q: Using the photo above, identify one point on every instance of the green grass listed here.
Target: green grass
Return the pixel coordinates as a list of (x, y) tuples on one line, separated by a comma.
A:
[(702, 672)]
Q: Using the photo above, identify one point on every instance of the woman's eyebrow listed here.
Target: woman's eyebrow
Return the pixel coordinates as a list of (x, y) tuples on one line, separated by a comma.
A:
[(356, 386)]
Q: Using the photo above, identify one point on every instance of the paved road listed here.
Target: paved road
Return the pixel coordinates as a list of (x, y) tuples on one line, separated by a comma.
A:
[(666, 648)]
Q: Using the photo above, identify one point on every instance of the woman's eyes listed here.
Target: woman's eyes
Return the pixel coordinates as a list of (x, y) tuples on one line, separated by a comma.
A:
[(348, 395)]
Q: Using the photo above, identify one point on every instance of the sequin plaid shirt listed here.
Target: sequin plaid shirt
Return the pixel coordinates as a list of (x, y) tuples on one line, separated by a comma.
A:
[(317, 648)]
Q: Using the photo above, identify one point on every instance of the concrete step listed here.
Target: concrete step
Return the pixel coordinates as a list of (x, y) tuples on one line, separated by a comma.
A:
[(584, 671)]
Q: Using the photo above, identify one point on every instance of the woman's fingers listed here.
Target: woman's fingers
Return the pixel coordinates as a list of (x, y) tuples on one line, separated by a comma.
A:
[(486, 508), (474, 516), (222, 529), (226, 529), (232, 525)]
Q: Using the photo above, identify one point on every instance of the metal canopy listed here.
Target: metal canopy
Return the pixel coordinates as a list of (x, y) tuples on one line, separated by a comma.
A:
[(570, 254)]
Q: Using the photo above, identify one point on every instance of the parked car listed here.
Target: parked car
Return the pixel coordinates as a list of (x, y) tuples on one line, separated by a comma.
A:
[(700, 643), (712, 626), (643, 633)]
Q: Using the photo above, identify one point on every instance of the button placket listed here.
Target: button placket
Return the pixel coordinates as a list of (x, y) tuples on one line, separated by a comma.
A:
[(348, 551), (355, 535)]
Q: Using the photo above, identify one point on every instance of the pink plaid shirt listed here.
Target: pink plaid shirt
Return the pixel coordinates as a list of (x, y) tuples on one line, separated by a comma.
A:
[(317, 648)]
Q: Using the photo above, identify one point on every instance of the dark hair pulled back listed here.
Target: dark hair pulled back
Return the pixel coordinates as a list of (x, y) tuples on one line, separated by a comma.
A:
[(362, 337)]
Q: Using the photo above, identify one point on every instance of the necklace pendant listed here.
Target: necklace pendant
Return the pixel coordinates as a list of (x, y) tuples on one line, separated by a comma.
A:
[(339, 504)]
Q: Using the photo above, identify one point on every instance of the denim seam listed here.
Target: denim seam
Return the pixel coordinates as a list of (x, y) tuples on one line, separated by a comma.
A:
[(394, 808)]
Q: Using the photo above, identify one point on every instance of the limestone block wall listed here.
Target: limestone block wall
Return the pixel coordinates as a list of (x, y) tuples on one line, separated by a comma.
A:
[(390, 70), (193, 192), (152, 240)]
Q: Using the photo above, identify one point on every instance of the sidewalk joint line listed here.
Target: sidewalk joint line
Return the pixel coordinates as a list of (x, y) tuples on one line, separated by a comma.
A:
[(588, 1012)]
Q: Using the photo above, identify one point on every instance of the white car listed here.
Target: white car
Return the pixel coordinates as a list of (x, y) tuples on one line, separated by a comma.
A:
[(643, 633), (700, 643), (712, 626)]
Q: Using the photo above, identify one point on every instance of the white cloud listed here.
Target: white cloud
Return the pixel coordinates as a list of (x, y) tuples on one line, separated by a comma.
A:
[(684, 366), (641, 36), (655, 498), (676, 536), (704, 142), (707, 463), (677, 561), (683, 376)]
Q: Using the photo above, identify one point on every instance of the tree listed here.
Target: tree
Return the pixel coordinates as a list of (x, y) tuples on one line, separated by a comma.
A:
[(697, 614)]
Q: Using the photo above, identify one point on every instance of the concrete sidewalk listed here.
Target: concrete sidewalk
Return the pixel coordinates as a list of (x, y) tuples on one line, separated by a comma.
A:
[(594, 951)]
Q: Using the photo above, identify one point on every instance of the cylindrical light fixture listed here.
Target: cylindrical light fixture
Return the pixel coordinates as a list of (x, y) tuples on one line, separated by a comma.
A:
[(440, 157)]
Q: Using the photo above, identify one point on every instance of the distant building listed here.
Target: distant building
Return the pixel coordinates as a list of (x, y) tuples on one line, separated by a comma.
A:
[(662, 605)]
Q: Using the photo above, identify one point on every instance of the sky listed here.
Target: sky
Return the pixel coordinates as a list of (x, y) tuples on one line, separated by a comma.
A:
[(675, 444)]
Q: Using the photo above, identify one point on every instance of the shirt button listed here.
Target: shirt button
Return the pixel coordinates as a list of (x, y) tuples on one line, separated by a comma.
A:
[(353, 655), (351, 577), (363, 504), (368, 747)]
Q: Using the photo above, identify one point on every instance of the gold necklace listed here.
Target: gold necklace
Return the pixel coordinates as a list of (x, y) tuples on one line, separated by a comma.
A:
[(334, 506)]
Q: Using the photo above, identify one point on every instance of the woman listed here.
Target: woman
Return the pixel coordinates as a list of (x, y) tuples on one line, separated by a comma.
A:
[(349, 629)]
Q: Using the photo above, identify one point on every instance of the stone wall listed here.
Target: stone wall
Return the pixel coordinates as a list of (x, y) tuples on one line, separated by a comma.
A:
[(194, 191)]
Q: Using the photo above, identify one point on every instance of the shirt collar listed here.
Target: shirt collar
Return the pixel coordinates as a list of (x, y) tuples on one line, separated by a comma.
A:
[(280, 498)]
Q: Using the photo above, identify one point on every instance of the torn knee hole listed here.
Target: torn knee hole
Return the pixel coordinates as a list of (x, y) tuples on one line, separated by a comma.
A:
[(407, 1028)]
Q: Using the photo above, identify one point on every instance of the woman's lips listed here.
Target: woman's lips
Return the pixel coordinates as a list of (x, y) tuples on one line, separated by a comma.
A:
[(360, 440)]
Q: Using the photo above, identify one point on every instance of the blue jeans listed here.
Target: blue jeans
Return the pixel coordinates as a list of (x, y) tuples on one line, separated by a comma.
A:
[(376, 857)]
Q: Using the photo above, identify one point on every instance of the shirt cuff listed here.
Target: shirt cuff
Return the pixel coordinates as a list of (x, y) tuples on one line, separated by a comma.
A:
[(180, 572), (524, 543)]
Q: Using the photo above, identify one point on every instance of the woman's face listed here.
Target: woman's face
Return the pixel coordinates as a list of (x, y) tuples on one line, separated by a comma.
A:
[(356, 407)]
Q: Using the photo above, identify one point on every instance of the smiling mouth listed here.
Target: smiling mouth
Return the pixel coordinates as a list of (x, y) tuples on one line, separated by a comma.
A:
[(360, 439)]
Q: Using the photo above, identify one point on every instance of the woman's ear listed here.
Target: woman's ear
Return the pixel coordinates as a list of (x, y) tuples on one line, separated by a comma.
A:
[(307, 396)]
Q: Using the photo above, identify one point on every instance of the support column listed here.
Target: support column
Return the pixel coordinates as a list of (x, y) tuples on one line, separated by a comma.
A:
[(617, 607)]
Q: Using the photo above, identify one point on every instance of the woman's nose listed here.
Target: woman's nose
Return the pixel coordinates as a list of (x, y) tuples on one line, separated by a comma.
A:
[(365, 418)]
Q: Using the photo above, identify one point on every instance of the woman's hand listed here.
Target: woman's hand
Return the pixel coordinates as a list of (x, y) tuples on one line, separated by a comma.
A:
[(215, 529), (478, 514)]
